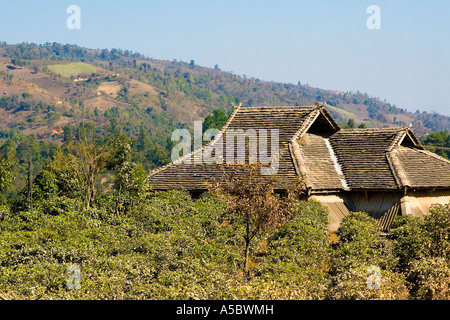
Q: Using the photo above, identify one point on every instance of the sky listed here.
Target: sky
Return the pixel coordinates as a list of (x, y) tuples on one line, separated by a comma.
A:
[(326, 44)]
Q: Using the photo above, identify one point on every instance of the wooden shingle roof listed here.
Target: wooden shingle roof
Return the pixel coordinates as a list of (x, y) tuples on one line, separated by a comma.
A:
[(332, 159), (423, 169), (362, 155), (287, 120), (317, 160)]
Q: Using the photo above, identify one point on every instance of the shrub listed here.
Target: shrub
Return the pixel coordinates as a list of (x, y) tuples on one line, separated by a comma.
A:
[(429, 279), (361, 246), (353, 284), (297, 259)]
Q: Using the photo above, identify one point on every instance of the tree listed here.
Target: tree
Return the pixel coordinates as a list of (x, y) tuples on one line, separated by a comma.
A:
[(192, 64), (94, 156), (132, 182), (251, 201), (132, 185), (68, 133), (351, 123), (29, 152), (423, 248), (362, 125), (68, 172), (438, 142), (7, 174), (297, 257), (215, 121)]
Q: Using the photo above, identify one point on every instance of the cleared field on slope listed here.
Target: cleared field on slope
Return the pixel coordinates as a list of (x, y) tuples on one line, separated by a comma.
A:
[(72, 69)]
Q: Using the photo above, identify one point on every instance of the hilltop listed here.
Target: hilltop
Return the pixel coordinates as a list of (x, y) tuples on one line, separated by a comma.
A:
[(47, 87)]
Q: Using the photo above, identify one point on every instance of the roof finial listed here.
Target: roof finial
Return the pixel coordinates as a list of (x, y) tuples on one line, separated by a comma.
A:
[(319, 106), (236, 106)]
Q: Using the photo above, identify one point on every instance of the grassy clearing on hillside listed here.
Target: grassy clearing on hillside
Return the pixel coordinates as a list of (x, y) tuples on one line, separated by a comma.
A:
[(343, 113), (72, 69)]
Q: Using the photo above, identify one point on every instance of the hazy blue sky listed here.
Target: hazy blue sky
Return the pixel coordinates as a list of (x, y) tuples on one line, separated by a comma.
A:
[(323, 43)]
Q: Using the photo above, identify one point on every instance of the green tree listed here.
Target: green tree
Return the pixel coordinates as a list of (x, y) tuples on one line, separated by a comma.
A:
[(93, 159), (423, 248), (351, 124), (7, 173), (68, 134), (28, 151), (215, 121), (67, 169), (438, 142), (298, 255), (362, 125), (132, 182), (92, 155), (132, 186)]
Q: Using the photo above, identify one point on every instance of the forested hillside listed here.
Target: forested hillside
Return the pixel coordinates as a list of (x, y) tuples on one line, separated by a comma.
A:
[(46, 89)]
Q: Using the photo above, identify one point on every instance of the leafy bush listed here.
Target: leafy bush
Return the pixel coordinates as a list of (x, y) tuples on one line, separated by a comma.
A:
[(429, 279), (352, 284), (298, 257), (362, 245), (423, 249)]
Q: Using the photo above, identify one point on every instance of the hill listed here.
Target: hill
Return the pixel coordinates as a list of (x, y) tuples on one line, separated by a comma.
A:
[(47, 87)]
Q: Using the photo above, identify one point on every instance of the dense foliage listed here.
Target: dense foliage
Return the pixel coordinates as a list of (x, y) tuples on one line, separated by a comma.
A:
[(438, 142), (170, 246)]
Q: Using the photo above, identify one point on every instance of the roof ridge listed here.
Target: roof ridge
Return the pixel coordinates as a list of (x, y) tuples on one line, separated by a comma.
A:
[(337, 165), (296, 153), (307, 123), (397, 169), (277, 107), (397, 140), (398, 129)]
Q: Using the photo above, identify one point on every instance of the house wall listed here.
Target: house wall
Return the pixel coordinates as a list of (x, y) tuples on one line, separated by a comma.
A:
[(418, 203), (383, 206)]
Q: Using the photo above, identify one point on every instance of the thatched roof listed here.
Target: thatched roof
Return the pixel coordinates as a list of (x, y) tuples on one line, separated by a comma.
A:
[(331, 158)]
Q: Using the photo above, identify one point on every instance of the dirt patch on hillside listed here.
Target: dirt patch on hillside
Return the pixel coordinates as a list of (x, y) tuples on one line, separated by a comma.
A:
[(110, 88), (137, 87), (103, 103)]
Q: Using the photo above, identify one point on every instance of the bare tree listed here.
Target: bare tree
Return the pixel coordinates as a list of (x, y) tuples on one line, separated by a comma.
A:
[(250, 198), (94, 157)]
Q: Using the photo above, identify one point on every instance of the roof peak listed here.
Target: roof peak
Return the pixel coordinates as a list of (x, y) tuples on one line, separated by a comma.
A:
[(278, 107), (396, 129)]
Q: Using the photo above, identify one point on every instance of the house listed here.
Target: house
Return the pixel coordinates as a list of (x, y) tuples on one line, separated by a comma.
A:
[(385, 172)]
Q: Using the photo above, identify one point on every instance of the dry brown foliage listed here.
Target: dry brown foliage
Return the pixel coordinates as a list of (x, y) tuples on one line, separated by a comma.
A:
[(251, 198)]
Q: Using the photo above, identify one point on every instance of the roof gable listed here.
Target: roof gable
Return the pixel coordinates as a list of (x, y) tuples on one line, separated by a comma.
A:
[(287, 120)]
